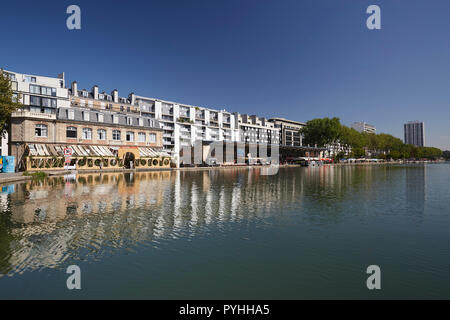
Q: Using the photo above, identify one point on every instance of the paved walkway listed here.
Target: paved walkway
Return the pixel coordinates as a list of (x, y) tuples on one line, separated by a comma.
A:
[(12, 177)]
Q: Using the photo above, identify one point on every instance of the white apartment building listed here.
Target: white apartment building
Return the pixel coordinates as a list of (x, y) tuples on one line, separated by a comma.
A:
[(254, 129), (39, 95), (364, 127), (184, 124)]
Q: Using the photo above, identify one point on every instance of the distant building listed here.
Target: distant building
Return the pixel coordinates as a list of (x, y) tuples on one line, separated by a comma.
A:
[(364, 127), (290, 131), (415, 133)]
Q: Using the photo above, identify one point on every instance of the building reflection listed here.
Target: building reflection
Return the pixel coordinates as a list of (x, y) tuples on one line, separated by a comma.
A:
[(75, 217), (416, 188)]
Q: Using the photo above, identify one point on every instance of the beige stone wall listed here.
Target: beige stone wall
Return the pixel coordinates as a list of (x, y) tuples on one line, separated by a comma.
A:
[(23, 130), (23, 133)]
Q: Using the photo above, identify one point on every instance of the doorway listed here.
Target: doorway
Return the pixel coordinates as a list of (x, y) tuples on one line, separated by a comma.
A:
[(129, 158)]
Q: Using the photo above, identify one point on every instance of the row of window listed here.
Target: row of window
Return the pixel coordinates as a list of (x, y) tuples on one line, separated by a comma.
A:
[(86, 116), (47, 91), (41, 130), (42, 102)]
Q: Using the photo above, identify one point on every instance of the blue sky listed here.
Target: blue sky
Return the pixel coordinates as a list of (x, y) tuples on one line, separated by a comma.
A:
[(298, 59)]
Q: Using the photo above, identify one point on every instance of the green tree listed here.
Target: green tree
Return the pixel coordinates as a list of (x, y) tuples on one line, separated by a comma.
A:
[(8, 103), (321, 131)]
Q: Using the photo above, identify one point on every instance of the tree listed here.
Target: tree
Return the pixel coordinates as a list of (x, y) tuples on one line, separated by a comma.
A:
[(328, 131), (446, 155), (8, 103), (321, 131)]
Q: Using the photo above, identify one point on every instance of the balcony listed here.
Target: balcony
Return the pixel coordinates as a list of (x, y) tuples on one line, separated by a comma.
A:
[(185, 137), (185, 115), (38, 115), (200, 116), (167, 110)]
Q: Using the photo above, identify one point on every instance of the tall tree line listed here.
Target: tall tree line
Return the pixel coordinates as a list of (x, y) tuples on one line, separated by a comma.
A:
[(328, 131)]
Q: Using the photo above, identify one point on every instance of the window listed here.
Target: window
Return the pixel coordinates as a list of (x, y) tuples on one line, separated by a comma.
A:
[(100, 117), (116, 135), (152, 137), (141, 137), (11, 76), (85, 94), (115, 119), (71, 132), (40, 130), (130, 136), (30, 79), (71, 114), (87, 134), (49, 103), (101, 134), (48, 91), (35, 101), (140, 122), (129, 121), (85, 115), (35, 89), (43, 90)]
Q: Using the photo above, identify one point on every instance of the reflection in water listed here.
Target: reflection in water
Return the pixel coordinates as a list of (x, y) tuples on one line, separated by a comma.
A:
[(45, 223), (416, 188)]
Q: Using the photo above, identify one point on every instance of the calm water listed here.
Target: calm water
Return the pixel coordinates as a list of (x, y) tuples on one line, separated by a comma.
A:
[(230, 234)]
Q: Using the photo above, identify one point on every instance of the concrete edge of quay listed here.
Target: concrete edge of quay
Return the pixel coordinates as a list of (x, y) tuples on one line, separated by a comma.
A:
[(13, 177)]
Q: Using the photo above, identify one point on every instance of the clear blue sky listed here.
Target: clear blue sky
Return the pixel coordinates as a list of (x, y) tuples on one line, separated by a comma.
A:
[(296, 59)]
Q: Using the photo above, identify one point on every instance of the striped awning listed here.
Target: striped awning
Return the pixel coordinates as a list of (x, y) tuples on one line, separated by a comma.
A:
[(151, 152), (49, 150)]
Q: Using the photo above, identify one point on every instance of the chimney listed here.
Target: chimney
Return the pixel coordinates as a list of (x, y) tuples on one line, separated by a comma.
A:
[(132, 98), (75, 89), (115, 95), (95, 92)]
